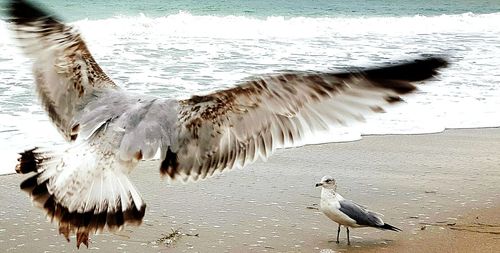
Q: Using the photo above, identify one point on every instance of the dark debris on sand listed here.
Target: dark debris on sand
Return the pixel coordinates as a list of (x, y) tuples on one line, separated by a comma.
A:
[(171, 238)]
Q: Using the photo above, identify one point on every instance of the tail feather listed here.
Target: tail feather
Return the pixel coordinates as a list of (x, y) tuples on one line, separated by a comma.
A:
[(84, 191), (30, 183), (31, 160), (390, 227)]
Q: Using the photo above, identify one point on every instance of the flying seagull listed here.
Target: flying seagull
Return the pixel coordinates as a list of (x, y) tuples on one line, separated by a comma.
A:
[(346, 212), (85, 188)]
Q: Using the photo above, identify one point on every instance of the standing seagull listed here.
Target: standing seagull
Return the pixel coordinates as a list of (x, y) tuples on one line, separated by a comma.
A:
[(85, 188), (346, 212)]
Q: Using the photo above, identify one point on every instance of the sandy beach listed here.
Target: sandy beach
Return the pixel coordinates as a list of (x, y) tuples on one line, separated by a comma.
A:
[(442, 190)]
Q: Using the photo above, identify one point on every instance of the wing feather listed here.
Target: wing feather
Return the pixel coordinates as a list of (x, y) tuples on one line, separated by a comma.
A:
[(65, 71), (233, 127), (361, 215)]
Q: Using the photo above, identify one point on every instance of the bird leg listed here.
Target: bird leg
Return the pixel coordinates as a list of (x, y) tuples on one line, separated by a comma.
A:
[(338, 233), (348, 241)]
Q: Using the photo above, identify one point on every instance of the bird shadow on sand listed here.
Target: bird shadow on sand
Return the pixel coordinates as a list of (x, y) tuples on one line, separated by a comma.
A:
[(357, 244)]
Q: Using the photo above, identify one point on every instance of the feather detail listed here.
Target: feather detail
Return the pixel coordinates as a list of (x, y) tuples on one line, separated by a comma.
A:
[(64, 70), (84, 191), (218, 130)]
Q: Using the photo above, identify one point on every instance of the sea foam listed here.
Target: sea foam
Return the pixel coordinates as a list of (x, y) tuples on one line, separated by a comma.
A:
[(182, 54)]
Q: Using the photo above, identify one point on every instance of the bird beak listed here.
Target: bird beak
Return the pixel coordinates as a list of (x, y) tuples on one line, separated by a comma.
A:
[(319, 184)]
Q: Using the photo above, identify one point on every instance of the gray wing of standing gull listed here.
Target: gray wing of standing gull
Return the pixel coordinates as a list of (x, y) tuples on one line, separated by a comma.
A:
[(361, 215)]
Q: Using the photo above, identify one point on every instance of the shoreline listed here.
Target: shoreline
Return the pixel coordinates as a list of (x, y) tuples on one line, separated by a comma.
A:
[(266, 207), (348, 141)]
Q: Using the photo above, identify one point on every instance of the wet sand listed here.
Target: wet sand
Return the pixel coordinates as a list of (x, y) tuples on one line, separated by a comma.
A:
[(431, 186), (478, 231)]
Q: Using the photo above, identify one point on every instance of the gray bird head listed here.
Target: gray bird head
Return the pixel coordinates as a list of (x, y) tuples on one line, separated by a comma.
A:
[(327, 182)]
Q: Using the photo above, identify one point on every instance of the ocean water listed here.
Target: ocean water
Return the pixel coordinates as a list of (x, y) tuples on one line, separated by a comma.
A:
[(178, 48)]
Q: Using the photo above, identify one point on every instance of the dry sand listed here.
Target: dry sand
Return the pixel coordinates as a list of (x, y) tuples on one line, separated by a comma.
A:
[(431, 186)]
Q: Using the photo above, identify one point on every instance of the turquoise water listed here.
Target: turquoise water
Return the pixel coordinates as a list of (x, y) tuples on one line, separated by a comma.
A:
[(97, 9)]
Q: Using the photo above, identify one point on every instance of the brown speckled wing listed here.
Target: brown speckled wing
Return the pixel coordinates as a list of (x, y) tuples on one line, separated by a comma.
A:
[(63, 67), (233, 127)]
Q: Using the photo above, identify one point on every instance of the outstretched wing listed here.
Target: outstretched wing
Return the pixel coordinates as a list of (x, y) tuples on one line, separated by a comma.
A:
[(235, 126), (64, 69)]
